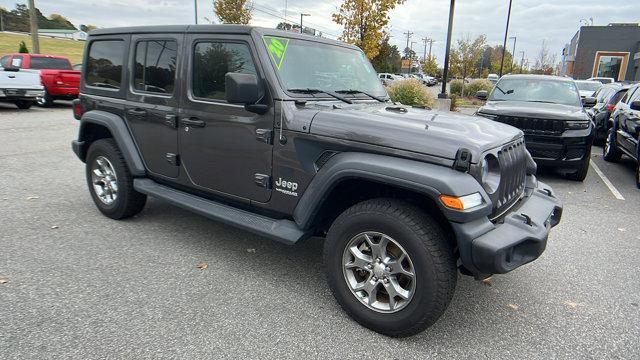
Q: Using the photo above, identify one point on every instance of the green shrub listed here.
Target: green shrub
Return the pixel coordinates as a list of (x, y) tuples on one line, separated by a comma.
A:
[(476, 85), (410, 92), (23, 48), (455, 87)]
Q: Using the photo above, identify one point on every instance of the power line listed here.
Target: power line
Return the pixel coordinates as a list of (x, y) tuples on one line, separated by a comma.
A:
[(272, 12)]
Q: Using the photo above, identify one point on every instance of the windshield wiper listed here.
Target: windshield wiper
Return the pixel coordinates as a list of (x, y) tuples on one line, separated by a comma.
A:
[(541, 101), (317, 91), (502, 91), (353, 91)]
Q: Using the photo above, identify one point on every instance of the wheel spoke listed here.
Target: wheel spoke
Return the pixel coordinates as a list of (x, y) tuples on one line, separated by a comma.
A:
[(394, 289), (379, 249), (360, 260), (397, 267)]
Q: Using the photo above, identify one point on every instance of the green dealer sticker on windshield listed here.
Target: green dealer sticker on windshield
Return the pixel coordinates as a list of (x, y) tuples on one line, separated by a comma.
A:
[(277, 48)]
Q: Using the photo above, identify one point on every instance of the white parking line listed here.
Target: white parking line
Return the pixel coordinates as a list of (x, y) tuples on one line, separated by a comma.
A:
[(606, 181)]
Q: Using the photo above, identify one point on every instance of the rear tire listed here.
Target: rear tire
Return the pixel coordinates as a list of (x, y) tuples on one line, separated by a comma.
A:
[(638, 174), (428, 257), (46, 100), (110, 182), (24, 104), (610, 151)]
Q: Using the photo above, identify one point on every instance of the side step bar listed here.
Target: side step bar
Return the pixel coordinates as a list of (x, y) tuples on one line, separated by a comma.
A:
[(285, 231)]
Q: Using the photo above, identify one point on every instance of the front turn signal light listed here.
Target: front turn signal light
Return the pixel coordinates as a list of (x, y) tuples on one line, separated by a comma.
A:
[(461, 203)]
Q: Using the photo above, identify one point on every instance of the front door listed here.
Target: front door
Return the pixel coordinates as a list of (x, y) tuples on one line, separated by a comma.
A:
[(628, 120), (224, 149), (152, 100)]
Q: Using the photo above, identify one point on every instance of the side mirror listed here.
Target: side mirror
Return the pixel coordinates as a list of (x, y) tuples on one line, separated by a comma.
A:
[(241, 88), (635, 105), (244, 89), (589, 102), (482, 94)]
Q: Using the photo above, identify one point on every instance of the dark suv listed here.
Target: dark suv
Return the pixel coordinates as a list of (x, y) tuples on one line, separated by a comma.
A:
[(549, 111), (606, 99), (624, 130), (291, 136)]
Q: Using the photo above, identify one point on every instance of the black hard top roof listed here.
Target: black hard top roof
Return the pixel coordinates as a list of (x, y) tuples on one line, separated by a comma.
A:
[(214, 29)]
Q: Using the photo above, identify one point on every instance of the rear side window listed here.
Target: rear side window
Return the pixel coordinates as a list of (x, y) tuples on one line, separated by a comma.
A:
[(212, 61), (38, 62), (155, 68), (104, 66), (617, 96)]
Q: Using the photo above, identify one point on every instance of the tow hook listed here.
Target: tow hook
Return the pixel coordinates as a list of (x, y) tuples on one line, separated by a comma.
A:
[(527, 219)]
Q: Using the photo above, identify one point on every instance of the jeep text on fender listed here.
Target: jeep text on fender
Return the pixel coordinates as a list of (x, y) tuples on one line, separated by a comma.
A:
[(293, 136)]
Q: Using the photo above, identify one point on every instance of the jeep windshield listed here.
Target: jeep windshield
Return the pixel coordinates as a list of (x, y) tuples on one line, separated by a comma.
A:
[(310, 68), (536, 90)]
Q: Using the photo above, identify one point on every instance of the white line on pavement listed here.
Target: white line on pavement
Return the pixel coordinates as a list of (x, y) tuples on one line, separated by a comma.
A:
[(606, 181)]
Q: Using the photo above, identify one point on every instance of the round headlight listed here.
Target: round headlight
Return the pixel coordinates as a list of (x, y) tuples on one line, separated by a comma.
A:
[(490, 173)]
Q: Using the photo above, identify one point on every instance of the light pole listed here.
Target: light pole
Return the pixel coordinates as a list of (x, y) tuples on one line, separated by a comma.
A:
[(445, 70), (513, 53), (195, 10), (301, 16), (522, 62), (506, 32)]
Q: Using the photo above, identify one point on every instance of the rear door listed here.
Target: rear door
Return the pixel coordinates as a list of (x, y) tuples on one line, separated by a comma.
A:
[(224, 148), (630, 123), (152, 100)]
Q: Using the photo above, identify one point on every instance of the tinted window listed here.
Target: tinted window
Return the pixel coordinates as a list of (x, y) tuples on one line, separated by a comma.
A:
[(615, 98), (536, 90), (16, 61), (104, 67), (4, 61), (212, 61), (155, 68), (38, 62), (634, 96)]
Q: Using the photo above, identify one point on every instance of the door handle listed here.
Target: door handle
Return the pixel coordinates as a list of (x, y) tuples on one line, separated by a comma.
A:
[(192, 121), (137, 112)]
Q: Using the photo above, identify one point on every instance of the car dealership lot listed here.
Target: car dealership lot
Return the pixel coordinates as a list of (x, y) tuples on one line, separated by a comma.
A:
[(81, 285)]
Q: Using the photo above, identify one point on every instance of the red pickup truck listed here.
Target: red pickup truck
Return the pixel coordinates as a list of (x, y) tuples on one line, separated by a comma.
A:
[(59, 79)]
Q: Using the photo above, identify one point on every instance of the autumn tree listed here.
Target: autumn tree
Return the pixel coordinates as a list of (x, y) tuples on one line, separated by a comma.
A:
[(465, 56), (233, 11), (363, 22), (430, 66)]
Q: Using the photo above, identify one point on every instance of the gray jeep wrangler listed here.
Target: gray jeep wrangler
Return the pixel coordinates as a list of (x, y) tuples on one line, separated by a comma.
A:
[(291, 136)]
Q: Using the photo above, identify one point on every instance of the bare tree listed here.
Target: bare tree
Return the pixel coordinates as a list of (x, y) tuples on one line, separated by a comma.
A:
[(542, 60)]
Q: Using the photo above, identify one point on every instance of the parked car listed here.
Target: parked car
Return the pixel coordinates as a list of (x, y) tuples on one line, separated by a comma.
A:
[(587, 88), (20, 87), (387, 78), (77, 67), (60, 81), (606, 99), (425, 79), (405, 196), (493, 78), (549, 111), (604, 80), (624, 132)]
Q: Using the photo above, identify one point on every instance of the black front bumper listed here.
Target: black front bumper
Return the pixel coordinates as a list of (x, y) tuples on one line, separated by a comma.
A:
[(517, 238), (564, 152)]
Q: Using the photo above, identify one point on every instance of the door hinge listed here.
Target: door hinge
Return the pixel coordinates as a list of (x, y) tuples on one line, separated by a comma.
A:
[(262, 180), (173, 159), (171, 120), (264, 135)]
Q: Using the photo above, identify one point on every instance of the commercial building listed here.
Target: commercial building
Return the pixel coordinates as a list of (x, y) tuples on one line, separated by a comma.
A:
[(604, 51)]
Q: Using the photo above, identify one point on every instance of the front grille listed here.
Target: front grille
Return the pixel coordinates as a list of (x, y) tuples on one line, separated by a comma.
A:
[(513, 170), (533, 126)]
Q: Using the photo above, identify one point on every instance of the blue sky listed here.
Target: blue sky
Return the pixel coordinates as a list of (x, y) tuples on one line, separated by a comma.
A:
[(554, 21)]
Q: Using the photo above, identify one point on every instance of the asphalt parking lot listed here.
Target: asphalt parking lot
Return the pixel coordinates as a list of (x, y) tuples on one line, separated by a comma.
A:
[(76, 284)]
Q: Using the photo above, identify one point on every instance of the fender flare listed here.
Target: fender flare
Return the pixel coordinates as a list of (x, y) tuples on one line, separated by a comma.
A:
[(120, 132), (429, 179)]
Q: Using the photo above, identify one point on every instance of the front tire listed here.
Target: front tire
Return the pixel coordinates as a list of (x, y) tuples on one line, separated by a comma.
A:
[(582, 171), (46, 100), (23, 104), (110, 182), (390, 266), (610, 151)]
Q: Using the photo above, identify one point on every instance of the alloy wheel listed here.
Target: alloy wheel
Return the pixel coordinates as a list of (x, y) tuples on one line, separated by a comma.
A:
[(104, 180), (379, 272)]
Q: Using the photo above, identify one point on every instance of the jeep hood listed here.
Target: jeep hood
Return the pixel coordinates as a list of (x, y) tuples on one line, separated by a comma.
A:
[(533, 109), (417, 130)]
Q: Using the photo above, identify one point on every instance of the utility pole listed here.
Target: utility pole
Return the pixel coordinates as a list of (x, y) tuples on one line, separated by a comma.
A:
[(506, 32), (33, 22), (522, 62), (513, 53), (424, 56), (445, 70), (409, 34), (301, 16), (430, 45)]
